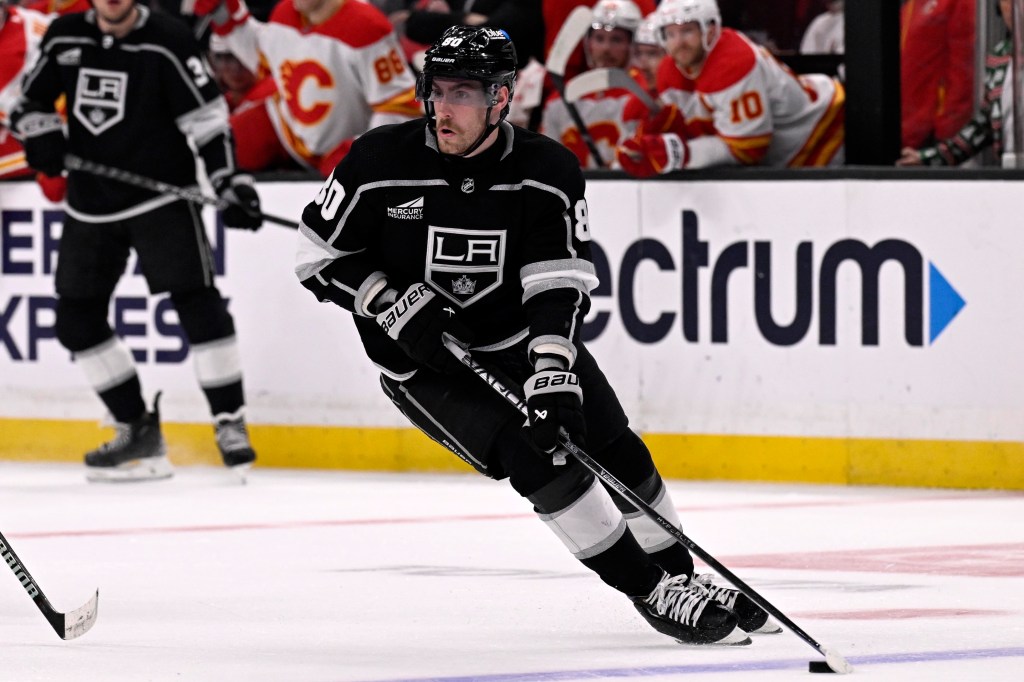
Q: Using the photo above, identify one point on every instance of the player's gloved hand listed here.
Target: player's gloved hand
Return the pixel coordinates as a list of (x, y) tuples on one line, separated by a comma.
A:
[(668, 119), (42, 135), (54, 188), (243, 209), (648, 155), (554, 401), (416, 322), (225, 14)]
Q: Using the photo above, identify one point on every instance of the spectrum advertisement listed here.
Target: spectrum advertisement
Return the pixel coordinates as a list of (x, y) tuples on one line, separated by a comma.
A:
[(835, 309)]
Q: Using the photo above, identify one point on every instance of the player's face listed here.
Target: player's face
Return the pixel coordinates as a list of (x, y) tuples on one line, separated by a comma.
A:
[(114, 12), (1006, 9), (230, 73), (609, 49), (684, 42), (646, 58), (460, 113)]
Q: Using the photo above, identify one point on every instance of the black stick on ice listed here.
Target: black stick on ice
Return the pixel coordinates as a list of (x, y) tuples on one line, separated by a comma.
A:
[(75, 163), (67, 625), (834, 660)]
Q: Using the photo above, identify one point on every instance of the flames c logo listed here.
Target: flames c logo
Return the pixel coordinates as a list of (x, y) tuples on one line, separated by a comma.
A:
[(293, 77)]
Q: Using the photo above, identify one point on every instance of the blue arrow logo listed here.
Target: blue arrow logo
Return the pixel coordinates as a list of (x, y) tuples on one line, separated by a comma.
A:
[(944, 303)]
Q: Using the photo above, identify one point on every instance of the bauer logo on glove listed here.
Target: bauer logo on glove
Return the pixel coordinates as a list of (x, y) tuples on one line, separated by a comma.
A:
[(395, 317), (418, 321), (555, 402)]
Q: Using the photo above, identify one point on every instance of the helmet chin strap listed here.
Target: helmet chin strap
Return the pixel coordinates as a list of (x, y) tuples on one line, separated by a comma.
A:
[(488, 129)]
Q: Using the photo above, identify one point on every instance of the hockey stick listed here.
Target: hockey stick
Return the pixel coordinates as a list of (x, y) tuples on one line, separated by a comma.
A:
[(597, 80), (72, 162), (834, 660), (67, 625), (572, 32)]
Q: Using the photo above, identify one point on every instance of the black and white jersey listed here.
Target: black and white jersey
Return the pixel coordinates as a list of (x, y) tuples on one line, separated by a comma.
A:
[(132, 103), (503, 236)]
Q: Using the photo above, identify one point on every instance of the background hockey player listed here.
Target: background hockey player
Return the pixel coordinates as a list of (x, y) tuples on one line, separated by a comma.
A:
[(607, 45), (339, 71), (462, 224), (241, 87), (21, 31), (138, 91), (993, 124), (648, 52), (730, 102)]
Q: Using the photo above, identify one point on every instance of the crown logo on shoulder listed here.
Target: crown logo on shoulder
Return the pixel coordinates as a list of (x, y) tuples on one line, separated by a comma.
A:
[(463, 286)]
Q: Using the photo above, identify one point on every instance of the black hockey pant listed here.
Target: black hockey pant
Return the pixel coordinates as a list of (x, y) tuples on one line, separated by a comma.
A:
[(598, 526)]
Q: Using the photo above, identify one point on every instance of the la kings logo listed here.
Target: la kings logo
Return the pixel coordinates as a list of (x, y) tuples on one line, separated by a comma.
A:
[(465, 265), (100, 98)]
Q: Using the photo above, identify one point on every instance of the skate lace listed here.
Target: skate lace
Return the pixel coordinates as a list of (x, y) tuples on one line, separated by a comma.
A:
[(677, 598), (722, 595), (122, 437), (232, 436)]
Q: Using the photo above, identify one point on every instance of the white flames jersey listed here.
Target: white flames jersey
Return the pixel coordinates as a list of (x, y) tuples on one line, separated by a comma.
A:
[(760, 110), (334, 80), (606, 117), (19, 47)]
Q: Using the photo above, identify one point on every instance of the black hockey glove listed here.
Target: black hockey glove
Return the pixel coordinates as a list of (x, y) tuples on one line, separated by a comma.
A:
[(555, 402), (42, 136), (416, 322), (243, 209)]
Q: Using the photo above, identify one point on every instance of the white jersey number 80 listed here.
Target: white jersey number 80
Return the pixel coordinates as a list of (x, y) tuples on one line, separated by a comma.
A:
[(329, 198), (582, 221)]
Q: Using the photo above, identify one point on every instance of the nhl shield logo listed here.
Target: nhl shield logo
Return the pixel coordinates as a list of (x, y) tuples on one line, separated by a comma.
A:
[(468, 186), (100, 98), (464, 265)]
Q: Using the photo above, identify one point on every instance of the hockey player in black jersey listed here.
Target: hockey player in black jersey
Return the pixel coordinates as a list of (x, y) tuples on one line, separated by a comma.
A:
[(138, 93), (465, 225)]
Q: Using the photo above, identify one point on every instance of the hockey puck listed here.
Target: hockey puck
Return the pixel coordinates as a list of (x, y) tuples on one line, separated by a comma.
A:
[(819, 667)]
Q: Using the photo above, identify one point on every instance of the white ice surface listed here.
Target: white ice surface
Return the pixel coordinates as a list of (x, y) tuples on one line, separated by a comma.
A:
[(327, 576)]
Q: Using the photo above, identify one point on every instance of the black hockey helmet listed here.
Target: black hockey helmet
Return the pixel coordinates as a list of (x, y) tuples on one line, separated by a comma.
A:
[(471, 52)]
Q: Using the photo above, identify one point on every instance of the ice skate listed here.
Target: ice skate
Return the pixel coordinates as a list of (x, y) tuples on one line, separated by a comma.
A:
[(686, 612), (234, 445), (136, 453), (752, 618)]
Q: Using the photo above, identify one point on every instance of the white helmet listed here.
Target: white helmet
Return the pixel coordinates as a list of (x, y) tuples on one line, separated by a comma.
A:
[(704, 12), (647, 32), (611, 14)]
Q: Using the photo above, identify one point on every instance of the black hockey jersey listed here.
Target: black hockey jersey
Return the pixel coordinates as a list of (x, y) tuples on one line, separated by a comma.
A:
[(503, 236), (132, 103)]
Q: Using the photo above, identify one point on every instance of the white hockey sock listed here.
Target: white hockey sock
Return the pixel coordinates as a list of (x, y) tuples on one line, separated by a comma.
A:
[(107, 364), (590, 525), (217, 362), (649, 534)]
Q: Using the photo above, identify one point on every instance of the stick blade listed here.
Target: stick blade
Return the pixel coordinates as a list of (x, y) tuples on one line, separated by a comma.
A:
[(597, 80), (594, 80), (569, 36), (78, 622), (836, 662)]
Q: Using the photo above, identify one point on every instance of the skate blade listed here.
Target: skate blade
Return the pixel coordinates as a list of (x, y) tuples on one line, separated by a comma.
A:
[(770, 627), (242, 472), (735, 638), (137, 470)]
